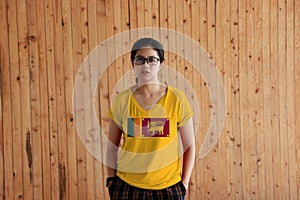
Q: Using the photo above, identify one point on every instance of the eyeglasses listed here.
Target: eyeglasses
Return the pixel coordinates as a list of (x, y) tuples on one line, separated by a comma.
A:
[(141, 60)]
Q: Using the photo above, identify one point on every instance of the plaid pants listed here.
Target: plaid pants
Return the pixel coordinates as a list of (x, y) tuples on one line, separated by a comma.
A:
[(120, 190)]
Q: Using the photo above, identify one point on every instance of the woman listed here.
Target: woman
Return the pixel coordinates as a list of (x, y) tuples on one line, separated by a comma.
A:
[(157, 155)]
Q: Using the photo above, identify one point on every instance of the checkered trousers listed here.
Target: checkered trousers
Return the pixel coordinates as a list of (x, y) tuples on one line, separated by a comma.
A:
[(120, 190)]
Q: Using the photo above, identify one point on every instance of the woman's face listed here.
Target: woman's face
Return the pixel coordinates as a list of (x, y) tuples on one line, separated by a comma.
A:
[(146, 65)]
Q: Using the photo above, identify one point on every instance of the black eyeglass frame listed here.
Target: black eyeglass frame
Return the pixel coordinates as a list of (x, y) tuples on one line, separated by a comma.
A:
[(148, 60)]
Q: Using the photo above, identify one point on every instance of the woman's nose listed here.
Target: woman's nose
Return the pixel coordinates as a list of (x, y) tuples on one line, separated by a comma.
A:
[(146, 65)]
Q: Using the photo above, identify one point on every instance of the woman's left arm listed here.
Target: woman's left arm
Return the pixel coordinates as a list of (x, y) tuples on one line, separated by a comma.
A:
[(188, 142)]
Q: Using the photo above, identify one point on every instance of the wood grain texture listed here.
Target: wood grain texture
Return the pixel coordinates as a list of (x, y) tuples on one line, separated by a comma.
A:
[(256, 47)]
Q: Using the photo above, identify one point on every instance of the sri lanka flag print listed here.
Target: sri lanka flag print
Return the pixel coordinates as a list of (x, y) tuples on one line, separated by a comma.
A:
[(148, 127)]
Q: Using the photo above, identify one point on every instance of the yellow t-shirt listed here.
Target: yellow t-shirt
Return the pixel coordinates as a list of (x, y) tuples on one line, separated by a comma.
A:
[(150, 155)]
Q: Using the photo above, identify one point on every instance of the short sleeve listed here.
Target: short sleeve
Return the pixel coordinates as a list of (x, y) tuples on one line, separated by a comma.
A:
[(114, 113), (186, 111), (119, 107)]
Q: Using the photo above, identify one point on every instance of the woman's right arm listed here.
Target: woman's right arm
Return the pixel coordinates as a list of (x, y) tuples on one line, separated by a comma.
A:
[(114, 137)]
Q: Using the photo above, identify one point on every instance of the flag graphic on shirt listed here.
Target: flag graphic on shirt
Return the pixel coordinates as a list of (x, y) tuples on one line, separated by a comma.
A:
[(148, 127)]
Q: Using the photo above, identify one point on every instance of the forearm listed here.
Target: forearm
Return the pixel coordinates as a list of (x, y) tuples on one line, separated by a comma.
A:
[(188, 163), (112, 149), (111, 159), (110, 171)]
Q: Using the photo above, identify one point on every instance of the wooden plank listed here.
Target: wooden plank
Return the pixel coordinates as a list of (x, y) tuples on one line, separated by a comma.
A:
[(35, 101), (188, 68), (44, 112), (109, 76), (260, 184), (247, 110), (204, 121), (291, 109), (275, 99), (179, 42), (140, 14), (219, 59), (83, 155), (187, 29), (61, 107), (125, 26), (52, 101), (297, 89), (196, 84), (267, 100), (166, 17), (250, 149), (133, 19), (119, 69), (25, 103), (77, 168), (103, 108), (111, 46), (236, 103), (4, 63), (211, 50), (228, 126), (282, 81), (92, 43), (3, 45), (8, 189), (103, 92), (147, 16), (15, 102), (88, 38), (155, 15), (164, 38), (71, 173), (96, 13)]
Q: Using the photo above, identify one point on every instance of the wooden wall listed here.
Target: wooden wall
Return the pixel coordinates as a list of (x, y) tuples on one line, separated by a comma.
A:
[(255, 43)]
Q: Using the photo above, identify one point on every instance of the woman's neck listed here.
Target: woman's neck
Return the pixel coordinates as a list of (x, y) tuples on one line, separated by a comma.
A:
[(149, 88)]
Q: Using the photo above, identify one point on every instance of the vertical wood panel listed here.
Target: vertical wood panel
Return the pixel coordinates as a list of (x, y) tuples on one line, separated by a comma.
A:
[(16, 102), (290, 64), (260, 159), (212, 163), (68, 169), (232, 187), (83, 173), (6, 109), (35, 101), (274, 96), (188, 69), (74, 141), (3, 58), (202, 170), (237, 111), (267, 100), (3, 62), (282, 70), (195, 29), (51, 79), (62, 164), (25, 103), (297, 89), (103, 86), (44, 112), (91, 42), (251, 149), (219, 59)]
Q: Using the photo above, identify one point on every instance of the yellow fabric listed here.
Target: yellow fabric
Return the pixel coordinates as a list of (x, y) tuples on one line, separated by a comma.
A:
[(150, 155)]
